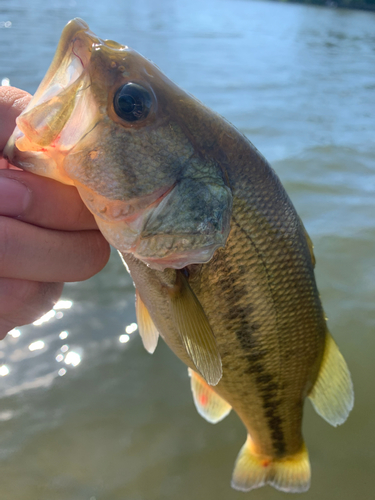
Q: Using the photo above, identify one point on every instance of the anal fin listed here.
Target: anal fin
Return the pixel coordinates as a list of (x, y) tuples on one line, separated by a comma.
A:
[(290, 474), (209, 405), (146, 327), (332, 395)]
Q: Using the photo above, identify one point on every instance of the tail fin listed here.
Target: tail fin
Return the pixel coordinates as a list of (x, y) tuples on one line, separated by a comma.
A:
[(290, 474)]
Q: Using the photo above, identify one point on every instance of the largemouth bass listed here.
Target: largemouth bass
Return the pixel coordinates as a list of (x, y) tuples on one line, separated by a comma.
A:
[(221, 262)]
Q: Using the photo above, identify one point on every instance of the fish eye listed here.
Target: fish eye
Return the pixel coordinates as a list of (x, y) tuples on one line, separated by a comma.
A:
[(132, 102)]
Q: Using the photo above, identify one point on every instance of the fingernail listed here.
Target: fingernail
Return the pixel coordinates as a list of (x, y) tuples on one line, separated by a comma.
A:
[(14, 197)]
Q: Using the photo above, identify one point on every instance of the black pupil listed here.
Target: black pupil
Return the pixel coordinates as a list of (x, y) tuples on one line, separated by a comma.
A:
[(126, 103), (132, 102)]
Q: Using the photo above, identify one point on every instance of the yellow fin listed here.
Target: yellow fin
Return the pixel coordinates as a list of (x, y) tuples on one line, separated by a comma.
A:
[(209, 405), (290, 474), (332, 395), (195, 331), (146, 327)]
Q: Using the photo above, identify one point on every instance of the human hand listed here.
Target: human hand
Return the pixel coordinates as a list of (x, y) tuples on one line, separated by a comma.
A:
[(47, 235)]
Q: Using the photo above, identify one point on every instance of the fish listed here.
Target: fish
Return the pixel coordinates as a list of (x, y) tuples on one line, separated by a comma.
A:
[(221, 262)]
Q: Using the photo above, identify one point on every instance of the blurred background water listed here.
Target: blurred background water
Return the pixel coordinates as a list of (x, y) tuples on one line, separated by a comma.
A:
[(85, 412)]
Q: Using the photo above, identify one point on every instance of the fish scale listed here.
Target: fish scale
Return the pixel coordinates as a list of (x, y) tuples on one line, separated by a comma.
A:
[(251, 316)]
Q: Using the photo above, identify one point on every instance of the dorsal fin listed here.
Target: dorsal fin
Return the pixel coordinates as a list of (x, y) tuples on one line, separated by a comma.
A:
[(209, 405), (332, 395), (146, 327), (195, 330)]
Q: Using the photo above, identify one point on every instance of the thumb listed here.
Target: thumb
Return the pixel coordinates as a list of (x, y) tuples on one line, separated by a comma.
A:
[(12, 102)]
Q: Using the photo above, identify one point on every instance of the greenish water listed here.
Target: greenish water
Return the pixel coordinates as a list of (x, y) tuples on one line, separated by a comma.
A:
[(119, 424)]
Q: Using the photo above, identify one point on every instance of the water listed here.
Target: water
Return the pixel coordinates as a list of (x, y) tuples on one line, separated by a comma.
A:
[(117, 423)]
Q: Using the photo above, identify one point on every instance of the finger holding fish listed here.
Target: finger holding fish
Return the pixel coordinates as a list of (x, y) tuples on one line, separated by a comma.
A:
[(46, 234), (12, 102), (38, 254), (29, 198), (35, 261)]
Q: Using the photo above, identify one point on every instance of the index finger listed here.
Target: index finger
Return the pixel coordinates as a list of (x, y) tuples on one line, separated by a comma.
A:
[(43, 202), (12, 102)]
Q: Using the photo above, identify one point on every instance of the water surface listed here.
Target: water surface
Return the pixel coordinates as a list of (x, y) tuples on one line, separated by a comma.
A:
[(85, 412)]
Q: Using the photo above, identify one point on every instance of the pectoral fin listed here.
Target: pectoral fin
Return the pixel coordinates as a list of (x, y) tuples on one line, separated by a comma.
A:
[(332, 395), (209, 404), (146, 327), (195, 331)]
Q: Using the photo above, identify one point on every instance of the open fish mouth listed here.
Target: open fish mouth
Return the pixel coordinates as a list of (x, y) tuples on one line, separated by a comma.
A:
[(62, 111)]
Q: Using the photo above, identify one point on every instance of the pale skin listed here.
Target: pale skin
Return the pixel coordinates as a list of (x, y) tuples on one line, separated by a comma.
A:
[(47, 235)]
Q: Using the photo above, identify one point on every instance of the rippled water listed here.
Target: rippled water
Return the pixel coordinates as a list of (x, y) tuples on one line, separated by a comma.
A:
[(85, 412)]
